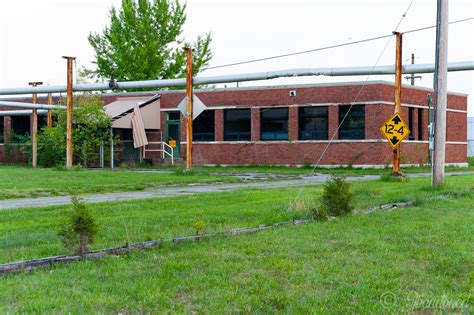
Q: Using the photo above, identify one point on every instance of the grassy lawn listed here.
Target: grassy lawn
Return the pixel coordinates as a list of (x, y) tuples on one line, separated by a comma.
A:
[(19, 182), (306, 170), (22, 182), (414, 255), (31, 233)]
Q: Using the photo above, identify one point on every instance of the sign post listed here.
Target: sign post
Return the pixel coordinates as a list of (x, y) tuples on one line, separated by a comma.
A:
[(395, 130)]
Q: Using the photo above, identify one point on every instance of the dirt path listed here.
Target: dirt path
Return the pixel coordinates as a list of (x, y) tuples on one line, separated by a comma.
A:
[(183, 190)]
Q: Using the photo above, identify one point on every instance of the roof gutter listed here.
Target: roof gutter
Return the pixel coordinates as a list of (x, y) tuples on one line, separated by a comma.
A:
[(200, 80)]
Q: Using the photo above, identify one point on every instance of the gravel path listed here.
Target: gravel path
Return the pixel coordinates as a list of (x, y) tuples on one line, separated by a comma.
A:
[(183, 190)]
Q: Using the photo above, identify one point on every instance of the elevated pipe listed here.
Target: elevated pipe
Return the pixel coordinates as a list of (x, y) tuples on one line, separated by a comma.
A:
[(21, 112), (202, 80), (29, 105)]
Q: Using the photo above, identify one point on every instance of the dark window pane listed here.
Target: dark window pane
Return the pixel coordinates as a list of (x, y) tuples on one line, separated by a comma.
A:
[(353, 127), (274, 124), (21, 125), (420, 124), (203, 127), (411, 136), (173, 116), (313, 123), (237, 124)]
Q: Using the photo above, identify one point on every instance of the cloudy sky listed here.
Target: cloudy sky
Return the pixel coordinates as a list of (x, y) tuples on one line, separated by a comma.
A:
[(34, 34)]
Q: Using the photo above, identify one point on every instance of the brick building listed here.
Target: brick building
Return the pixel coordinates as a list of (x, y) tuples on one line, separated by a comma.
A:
[(292, 125)]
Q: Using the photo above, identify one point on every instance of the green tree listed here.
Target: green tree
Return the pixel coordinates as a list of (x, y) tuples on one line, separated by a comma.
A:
[(143, 41), (91, 127)]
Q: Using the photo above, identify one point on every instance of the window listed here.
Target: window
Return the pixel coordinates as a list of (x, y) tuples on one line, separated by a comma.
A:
[(274, 124), (173, 115), (353, 127), (203, 127), (237, 125), (21, 125), (313, 123), (411, 136), (420, 124)]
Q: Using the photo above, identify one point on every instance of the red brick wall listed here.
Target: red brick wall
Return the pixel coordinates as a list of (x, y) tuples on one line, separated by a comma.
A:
[(300, 152), (338, 153)]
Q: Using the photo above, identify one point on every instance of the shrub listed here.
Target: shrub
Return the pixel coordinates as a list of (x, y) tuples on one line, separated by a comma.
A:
[(470, 160), (51, 147), (199, 226), (336, 198), (80, 228), (393, 178), (318, 213)]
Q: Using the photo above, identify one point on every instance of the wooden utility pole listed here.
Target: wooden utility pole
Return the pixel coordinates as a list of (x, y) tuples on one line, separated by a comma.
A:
[(69, 108), (189, 108), (50, 114), (34, 128), (412, 77), (398, 96), (440, 92)]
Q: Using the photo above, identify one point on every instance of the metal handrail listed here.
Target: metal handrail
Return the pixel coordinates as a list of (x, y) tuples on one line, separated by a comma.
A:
[(162, 150), (171, 155)]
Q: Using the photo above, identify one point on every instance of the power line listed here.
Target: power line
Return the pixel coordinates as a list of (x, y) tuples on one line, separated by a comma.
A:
[(332, 46), (350, 107)]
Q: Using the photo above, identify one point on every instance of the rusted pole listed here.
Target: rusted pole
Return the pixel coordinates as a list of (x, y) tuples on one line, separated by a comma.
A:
[(34, 128), (69, 108), (398, 96), (189, 108), (50, 113)]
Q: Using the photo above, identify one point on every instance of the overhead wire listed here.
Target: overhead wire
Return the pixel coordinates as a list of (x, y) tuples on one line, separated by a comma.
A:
[(350, 108), (330, 46)]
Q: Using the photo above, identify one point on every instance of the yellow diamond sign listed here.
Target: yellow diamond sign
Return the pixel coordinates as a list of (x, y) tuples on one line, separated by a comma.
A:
[(395, 130)]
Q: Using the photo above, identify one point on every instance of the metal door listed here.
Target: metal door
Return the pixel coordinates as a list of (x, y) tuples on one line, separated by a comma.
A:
[(172, 136)]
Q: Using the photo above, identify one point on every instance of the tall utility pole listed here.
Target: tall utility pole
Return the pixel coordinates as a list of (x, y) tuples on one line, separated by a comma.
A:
[(412, 77), (189, 108), (440, 92), (69, 108), (50, 114), (398, 96), (34, 128)]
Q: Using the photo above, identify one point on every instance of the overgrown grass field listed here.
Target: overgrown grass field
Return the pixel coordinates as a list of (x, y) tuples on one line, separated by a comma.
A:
[(346, 265), (22, 182)]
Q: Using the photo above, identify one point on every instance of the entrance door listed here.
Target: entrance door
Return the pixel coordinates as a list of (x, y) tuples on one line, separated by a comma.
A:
[(172, 132)]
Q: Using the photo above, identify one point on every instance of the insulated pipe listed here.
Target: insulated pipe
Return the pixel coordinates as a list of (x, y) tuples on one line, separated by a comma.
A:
[(152, 84), (21, 112), (29, 105)]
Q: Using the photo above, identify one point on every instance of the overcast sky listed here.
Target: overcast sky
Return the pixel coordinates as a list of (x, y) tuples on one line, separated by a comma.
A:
[(34, 34)]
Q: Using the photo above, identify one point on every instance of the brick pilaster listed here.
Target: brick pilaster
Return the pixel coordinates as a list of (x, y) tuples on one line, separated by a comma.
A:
[(333, 120), (293, 123), (219, 124), (255, 125)]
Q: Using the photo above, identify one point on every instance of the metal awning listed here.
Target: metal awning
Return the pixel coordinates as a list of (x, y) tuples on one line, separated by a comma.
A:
[(121, 111)]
